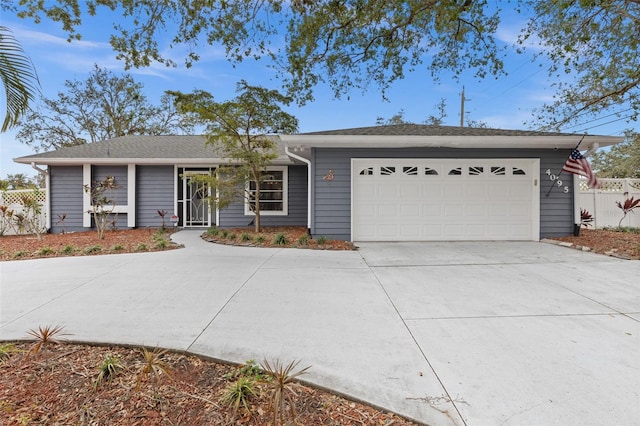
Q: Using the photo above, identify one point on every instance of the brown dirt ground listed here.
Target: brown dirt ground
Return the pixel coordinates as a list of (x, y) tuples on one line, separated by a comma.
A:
[(607, 241), (59, 386)]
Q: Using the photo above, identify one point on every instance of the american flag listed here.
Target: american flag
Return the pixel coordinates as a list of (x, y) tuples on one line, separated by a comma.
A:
[(579, 165)]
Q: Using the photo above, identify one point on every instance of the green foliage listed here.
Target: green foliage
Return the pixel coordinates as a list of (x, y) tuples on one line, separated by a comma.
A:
[(142, 247), (245, 237), (44, 251), (108, 369), (68, 249), (224, 233), (92, 249), (117, 247), (213, 231), (280, 240), (20, 253), (321, 240), (259, 239), (29, 221), (19, 78), (239, 392), (6, 350), (621, 161), (231, 236), (282, 389), (102, 107), (44, 336), (160, 239), (303, 240), (240, 130)]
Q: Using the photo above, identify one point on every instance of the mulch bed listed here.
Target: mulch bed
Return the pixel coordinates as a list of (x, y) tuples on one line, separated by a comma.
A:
[(613, 242)]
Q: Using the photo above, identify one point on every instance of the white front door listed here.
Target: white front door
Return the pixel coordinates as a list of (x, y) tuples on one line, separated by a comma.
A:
[(196, 211), (445, 199)]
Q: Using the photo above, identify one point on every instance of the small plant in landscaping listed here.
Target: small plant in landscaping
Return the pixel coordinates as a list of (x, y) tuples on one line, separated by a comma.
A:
[(45, 336), (152, 367), (322, 240), (245, 237), (68, 249), (6, 350), (117, 247), (224, 233), (44, 251), (259, 239), (249, 368), (162, 214), (160, 239), (280, 240), (213, 231), (303, 240), (20, 253), (108, 369), (627, 207), (61, 218), (239, 392), (102, 206), (142, 247), (282, 388), (231, 236), (92, 249), (586, 218)]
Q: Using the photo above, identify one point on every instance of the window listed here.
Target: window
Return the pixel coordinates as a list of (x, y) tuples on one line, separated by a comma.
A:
[(273, 193)]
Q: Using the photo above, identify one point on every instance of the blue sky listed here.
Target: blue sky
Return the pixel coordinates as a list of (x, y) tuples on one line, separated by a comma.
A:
[(504, 103)]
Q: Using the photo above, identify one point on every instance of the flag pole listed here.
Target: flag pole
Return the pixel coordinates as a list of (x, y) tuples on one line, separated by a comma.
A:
[(558, 175)]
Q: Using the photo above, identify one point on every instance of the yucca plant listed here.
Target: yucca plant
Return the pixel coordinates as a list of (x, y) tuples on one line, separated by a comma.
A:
[(586, 218), (153, 367), (238, 393), (280, 240), (68, 249), (282, 388), (627, 207), (108, 369), (45, 336)]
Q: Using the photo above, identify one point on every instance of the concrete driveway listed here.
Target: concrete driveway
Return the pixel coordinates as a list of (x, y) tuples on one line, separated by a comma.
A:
[(445, 333)]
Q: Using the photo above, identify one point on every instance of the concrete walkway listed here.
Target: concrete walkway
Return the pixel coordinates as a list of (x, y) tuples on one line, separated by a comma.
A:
[(445, 333)]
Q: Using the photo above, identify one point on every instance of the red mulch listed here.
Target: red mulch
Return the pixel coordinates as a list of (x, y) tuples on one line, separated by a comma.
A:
[(607, 241)]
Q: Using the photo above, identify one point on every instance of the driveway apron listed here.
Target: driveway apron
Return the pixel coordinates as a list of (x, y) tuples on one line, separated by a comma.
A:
[(444, 333)]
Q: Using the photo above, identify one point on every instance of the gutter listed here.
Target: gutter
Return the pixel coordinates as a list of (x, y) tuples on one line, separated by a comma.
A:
[(308, 163)]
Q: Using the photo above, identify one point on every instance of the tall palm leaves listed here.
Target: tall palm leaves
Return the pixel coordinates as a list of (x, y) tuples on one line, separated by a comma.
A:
[(18, 76)]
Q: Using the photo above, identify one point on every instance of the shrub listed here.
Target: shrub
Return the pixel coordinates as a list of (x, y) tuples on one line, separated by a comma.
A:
[(6, 350), (245, 237), (117, 247), (239, 392), (322, 240), (152, 367), (231, 236), (142, 247), (68, 249), (93, 249), (224, 233), (45, 336), (20, 253), (303, 240), (259, 239), (213, 231), (282, 389), (44, 251), (108, 369), (280, 240), (627, 207)]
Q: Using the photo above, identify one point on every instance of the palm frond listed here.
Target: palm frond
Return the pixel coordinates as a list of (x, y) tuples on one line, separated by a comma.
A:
[(19, 78)]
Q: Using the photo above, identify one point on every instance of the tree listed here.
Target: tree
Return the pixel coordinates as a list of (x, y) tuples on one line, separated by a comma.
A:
[(20, 181), (597, 43), (432, 120), (104, 106), (621, 161), (242, 131), (352, 43), (18, 77)]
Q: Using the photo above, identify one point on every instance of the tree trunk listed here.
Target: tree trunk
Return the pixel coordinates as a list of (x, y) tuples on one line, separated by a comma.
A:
[(256, 209)]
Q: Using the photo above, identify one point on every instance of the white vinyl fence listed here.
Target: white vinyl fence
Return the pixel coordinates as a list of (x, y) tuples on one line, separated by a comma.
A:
[(14, 217), (601, 203)]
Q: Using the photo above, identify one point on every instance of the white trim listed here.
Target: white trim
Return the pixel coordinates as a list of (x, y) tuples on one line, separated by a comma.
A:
[(47, 189), (285, 195), (309, 181), (86, 195), (131, 195), (175, 191)]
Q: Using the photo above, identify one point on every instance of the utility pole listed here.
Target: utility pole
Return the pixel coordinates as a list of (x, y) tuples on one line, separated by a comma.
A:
[(462, 108)]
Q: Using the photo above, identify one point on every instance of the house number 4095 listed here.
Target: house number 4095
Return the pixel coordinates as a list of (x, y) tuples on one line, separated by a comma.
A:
[(553, 178)]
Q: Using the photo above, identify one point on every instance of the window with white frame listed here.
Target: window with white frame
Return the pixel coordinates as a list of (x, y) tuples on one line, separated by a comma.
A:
[(273, 193)]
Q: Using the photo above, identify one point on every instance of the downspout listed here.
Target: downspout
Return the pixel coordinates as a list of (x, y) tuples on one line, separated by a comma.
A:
[(308, 163), (47, 194)]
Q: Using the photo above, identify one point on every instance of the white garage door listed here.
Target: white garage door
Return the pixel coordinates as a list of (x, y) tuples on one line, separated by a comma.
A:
[(445, 199)]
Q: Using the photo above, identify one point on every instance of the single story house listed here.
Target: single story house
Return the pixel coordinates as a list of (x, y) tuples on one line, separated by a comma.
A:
[(384, 183)]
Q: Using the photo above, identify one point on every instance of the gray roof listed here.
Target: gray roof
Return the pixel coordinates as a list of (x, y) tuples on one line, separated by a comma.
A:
[(135, 147), (429, 130)]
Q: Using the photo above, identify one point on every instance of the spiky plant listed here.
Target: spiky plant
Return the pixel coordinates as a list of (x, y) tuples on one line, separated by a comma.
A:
[(108, 369), (152, 366), (238, 393), (280, 240), (282, 388), (627, 207), (45, 336)]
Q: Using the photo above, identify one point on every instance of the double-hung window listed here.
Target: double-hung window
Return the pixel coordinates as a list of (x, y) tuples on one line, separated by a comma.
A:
[(273, 193)]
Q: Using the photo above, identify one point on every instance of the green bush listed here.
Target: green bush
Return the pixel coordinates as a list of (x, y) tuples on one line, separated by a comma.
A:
[(259, 239), (321, 240), (245, 237), (45, 251), (303, 240), (280, 240), (68, 249), (93, 249), (213, 231), (142, 247)]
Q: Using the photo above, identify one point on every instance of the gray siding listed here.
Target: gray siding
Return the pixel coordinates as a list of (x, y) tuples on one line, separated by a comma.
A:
[(155, 189), (331, 203), (233, 216), (66, 193), (119, 195)]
